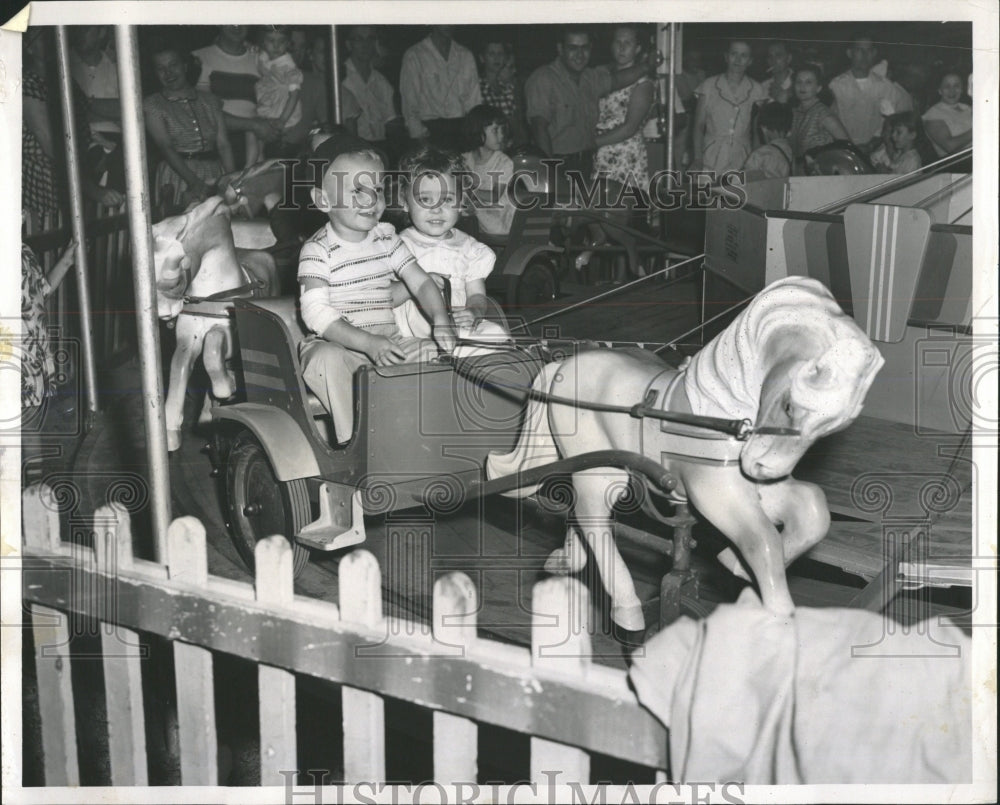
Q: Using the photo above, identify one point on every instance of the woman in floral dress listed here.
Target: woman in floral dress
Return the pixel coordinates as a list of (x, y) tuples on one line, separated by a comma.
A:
[(621, 150), (621, 158)]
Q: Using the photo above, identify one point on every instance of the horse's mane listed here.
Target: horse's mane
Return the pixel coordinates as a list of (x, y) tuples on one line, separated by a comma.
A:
[(725, 378)]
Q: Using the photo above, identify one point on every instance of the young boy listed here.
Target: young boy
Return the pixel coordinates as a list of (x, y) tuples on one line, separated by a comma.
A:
[(903, 128), (345, 270), (773, 160)]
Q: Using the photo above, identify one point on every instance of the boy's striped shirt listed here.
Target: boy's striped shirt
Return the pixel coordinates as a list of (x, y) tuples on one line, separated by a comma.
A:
[(358, 274)]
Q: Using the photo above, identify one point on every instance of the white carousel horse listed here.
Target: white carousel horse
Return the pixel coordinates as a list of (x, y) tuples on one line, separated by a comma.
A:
[(791, 360), (196, 258)]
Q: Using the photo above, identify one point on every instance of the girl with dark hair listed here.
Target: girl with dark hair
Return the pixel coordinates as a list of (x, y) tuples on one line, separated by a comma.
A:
[(813, 123), (485, 129)]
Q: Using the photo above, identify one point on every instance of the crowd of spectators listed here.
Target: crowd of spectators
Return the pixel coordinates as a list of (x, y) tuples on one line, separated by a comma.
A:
[(258, 92)]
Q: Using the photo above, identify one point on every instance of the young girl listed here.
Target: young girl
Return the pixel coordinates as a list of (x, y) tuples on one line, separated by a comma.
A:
[(813, 123), (904, 128), (278, 87), (431, 197), (486, 126), (722, 119)]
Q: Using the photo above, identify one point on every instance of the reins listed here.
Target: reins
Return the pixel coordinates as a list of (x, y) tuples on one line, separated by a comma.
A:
[(739, 429)]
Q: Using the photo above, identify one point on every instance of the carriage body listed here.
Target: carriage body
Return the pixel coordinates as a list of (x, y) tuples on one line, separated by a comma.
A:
[(422, 432)]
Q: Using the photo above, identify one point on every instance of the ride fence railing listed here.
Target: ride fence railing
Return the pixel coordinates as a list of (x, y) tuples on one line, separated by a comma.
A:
[(109, 271), (553, 692)]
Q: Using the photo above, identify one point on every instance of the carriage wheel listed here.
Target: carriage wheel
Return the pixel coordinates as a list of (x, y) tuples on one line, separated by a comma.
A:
[(260, 505), (535, 285)]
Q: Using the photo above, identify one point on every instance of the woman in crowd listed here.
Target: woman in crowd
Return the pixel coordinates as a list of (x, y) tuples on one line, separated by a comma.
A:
[(500, 88), (42, 154), (948, 124), (722, 118), (188, 127), (813, 122), (621, 158)]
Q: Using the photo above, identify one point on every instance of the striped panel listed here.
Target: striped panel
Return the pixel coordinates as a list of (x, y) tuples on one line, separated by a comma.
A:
[(886, 246)]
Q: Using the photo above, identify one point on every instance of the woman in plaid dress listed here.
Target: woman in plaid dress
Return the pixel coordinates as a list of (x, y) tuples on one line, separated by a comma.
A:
[(500, 89)]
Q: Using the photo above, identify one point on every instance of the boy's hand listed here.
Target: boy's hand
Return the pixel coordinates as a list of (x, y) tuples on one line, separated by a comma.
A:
[(464, 317), (384, 352), (444, 336)]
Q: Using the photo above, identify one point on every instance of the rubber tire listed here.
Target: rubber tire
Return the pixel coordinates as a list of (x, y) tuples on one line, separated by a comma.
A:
[(249, 478), (535, 285)]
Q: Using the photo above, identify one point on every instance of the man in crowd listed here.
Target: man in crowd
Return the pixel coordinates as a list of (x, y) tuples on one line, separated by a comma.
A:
[(229, 71), (562, 100), (863, 96), (368, 101), (439, 84)]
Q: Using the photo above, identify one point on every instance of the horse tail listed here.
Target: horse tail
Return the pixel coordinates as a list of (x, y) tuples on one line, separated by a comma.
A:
[(535, 445)]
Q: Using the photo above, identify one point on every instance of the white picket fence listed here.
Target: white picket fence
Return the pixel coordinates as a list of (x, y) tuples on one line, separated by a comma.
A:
[(570, 706)]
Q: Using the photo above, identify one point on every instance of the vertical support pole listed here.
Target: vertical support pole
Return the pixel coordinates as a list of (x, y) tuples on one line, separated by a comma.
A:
[(76, 219), (137, 193), (335, 74), (671, 94)]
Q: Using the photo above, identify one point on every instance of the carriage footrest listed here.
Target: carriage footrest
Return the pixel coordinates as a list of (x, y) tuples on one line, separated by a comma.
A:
[(332, 530)]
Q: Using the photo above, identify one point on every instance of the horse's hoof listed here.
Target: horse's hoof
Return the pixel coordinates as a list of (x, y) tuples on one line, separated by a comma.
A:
[(173, 440), (629, 617), (561, 563)]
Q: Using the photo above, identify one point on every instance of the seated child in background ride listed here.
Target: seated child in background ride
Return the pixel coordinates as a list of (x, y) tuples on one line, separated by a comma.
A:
[(277, 89), (485, 127), (345, 271), (902, 155), (432, 198), (773, 160)]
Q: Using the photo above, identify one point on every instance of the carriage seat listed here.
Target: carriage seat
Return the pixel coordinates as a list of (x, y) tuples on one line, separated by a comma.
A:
[(286, 308)]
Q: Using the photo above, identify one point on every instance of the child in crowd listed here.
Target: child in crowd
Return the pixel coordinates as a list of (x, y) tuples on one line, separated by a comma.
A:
[(345, 271), (902, 156), (432, 198), (773, 160), (485, 127), (278, 88)]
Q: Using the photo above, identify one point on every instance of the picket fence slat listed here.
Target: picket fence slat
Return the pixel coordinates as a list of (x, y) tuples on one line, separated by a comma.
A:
[(274, 584), (122, 654), (360, 584), (50, 629), (560, 640), (454, 625), (193, 664)]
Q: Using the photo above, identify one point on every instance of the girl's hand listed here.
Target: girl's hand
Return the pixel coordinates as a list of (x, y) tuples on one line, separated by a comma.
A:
[(464, 318), (109, 197)]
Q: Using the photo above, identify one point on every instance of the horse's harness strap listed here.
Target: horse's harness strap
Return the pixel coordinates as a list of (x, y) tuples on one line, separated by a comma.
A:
[(678, 441), (196, 305)]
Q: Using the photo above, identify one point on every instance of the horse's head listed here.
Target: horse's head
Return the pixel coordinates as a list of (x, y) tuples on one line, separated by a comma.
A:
[(180, 243), (815, 396)]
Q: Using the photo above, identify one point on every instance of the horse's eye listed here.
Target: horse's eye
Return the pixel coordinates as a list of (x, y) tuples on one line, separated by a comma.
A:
[(788, 409)]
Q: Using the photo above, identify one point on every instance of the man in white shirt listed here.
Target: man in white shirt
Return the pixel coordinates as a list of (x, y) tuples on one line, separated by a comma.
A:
[(438, 84), (368, 99), (863, 97)]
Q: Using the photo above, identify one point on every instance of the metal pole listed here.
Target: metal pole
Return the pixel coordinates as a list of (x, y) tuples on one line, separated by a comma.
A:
[(671, 93), (137, 193), (335, 72), (76, 218)]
